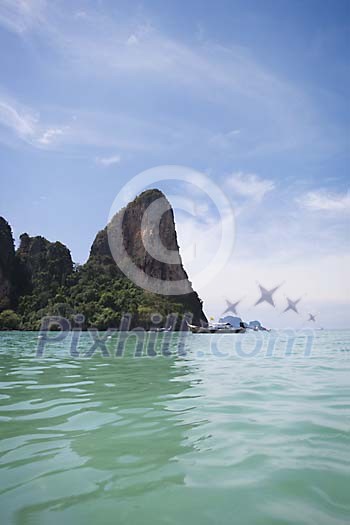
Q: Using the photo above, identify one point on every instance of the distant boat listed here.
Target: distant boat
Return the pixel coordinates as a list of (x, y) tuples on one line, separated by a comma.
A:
[(156, 329), (216, 328)]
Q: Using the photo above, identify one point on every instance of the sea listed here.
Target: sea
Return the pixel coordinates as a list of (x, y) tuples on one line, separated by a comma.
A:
[(171, 428)]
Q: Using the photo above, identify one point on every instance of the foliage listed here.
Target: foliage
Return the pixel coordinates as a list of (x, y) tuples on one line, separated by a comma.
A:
[(9, 320), (101, 293)]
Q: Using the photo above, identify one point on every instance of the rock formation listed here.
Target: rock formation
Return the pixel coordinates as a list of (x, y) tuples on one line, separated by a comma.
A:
[(7, 265), (138, 232), (44, 260), (40, 278)]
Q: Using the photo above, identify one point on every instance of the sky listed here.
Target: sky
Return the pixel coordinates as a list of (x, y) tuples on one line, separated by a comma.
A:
[(252, 95)]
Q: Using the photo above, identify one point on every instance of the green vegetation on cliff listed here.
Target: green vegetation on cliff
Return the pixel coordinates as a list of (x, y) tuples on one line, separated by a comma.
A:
[(101, 295), (40, 279)]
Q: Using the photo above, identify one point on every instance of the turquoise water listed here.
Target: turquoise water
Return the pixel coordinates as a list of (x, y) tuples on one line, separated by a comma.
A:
[(231, 430)]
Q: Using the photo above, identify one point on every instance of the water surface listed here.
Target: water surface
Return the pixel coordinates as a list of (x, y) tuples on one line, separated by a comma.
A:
[(210, 436)]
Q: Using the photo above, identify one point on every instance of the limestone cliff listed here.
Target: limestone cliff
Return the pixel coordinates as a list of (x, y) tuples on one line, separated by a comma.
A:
[(138, 232), (45, 261), (7, 264)]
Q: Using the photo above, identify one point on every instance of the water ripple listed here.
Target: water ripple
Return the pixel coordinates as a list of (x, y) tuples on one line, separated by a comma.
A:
[(186, 439)]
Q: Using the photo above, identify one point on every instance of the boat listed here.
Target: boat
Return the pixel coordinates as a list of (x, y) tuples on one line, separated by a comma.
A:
[(216, 328)]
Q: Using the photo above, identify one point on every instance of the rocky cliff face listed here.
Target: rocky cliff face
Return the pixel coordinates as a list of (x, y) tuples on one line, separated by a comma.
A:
[(37, 263), (139, 231), (7, 264), (49, 262)]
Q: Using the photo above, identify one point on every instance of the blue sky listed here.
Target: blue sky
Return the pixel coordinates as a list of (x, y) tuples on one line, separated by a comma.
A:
[(253, 94)]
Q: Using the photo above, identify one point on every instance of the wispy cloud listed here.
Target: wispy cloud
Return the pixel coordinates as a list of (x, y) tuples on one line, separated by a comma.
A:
[(21, 121), (25, 124), (250, 185), (108, 161), (21, 15), (230, 77), (80, 129), (299, 253), (322, 200)]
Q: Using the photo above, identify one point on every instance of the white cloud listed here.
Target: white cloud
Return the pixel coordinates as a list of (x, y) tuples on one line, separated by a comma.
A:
[(107, 47), (269, 254), (25, 124), (86, 129), (322, 200), (228, 76), (250, 185), (108, 161), (22, 122), (302, 277), (49, 135)]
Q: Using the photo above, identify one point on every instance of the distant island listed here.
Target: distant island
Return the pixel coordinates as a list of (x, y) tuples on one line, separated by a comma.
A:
[(40, 279)]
